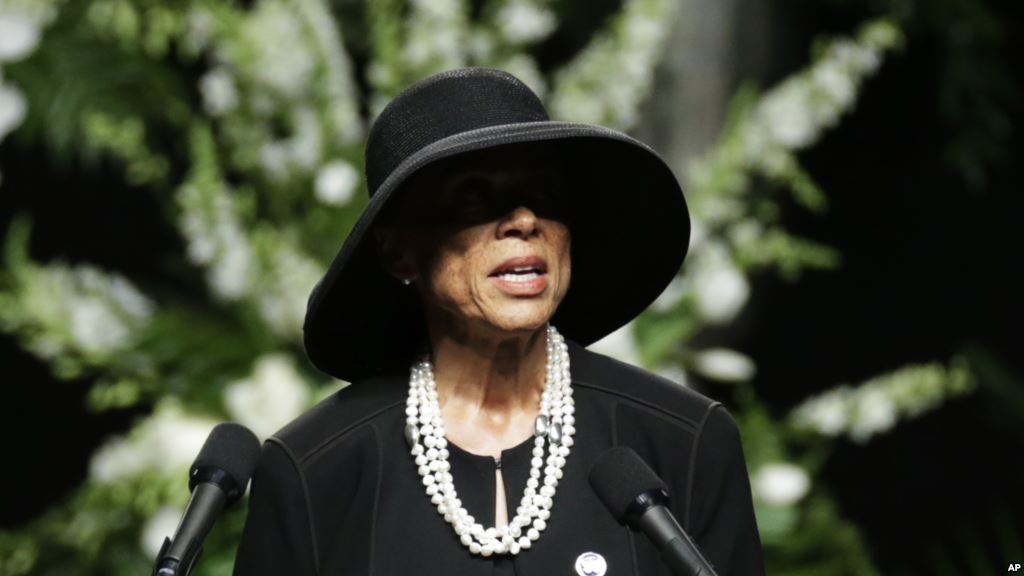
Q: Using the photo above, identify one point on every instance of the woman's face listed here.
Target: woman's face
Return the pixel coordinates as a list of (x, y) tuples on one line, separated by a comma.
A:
[(487, 242)]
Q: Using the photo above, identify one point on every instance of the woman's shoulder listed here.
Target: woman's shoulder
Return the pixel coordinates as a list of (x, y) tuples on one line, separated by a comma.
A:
[(342, 414), (623, 382)]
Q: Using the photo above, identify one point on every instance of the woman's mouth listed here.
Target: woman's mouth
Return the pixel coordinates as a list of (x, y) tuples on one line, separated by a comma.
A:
[(525, 276), (521, 284)]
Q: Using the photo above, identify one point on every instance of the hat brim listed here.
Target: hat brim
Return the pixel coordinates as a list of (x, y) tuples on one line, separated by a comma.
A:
[(630, 235)]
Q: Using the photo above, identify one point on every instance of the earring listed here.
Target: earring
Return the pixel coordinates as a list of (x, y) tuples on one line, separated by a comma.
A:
[(406, 281)]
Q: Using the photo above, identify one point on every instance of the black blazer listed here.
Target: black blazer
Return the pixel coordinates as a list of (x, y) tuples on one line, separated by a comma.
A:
[(336, 491)]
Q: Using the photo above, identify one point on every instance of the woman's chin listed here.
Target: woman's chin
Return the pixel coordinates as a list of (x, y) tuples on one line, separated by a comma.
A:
[(521, 318)]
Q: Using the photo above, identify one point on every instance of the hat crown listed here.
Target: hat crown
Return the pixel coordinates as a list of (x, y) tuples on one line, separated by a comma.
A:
[(443, 105)]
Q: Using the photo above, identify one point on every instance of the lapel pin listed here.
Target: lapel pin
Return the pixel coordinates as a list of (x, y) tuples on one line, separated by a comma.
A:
[(591, 564)]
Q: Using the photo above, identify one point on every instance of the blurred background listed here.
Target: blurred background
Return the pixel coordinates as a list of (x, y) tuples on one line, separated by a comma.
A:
[(176, 175)]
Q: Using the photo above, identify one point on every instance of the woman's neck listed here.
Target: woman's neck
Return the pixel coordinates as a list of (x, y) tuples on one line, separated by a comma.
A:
[(489, 388)]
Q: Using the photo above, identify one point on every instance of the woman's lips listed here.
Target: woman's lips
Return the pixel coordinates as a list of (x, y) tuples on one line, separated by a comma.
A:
[(521, 276), (530, 284)]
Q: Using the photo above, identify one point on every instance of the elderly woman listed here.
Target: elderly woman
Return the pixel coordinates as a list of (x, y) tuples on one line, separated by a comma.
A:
[(464, 442)]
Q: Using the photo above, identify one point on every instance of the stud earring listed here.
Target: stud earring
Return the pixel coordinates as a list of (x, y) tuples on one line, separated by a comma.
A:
[(406, 281)]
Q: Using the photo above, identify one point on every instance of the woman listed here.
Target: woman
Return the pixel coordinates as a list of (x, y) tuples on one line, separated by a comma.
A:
[(495, 246)]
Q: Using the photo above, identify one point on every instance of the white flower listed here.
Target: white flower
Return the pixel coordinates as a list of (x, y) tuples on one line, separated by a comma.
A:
[(305, 144), (95, 327), (620, 345), (232, 272), (128, 297), (839, 86), (160, 525), (780, 483), (168, 441), (724, 365), (827, 413), (720, 288), (12, 109), (274, 159), (289, 276), (786, 113), (874, 412), (19, 36), (335, 183), (218, 90), (522, 22), (284, 60), (480, 45), (269, 398), (199, 27), (216, 239)]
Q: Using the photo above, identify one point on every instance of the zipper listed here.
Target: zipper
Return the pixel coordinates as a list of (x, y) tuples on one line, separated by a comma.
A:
[(497, 462)]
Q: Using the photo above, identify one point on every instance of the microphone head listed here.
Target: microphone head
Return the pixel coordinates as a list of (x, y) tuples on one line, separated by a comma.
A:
[(227, 458), (626, 484)]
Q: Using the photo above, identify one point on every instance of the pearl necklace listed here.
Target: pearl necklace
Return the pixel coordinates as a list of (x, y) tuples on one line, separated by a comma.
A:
[(424, 432)]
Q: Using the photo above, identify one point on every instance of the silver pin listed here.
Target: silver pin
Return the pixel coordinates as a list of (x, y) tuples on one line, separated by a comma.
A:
[(540, 426), (412, 434), (591, 564), (555, 433)]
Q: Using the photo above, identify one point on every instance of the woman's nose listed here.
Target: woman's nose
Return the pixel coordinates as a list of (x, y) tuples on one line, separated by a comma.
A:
[(521, 221)]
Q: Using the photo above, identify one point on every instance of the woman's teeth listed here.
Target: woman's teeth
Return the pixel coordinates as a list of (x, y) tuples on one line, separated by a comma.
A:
[(519, 277)]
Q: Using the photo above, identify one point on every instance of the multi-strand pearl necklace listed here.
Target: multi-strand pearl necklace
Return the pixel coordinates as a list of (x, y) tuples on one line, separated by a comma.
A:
[(424, 431)]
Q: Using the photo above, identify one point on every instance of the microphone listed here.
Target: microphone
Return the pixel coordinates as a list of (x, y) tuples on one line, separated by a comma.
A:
[(636, 496), (217, 479)]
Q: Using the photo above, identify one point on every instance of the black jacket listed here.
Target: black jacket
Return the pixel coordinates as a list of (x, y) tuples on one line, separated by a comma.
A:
[(336, 491)]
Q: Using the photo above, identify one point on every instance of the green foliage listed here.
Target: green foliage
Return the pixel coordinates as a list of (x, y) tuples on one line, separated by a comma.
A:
[(818, 542)]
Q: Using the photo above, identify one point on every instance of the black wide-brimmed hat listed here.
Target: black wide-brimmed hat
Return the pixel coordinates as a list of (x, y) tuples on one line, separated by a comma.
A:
[(630, 227)]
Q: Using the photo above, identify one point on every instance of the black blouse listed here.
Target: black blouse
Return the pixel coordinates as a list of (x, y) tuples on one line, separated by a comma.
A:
[(336, 492)]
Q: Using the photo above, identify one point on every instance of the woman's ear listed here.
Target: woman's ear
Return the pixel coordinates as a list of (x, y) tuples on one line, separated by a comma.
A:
[(392, 253)]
